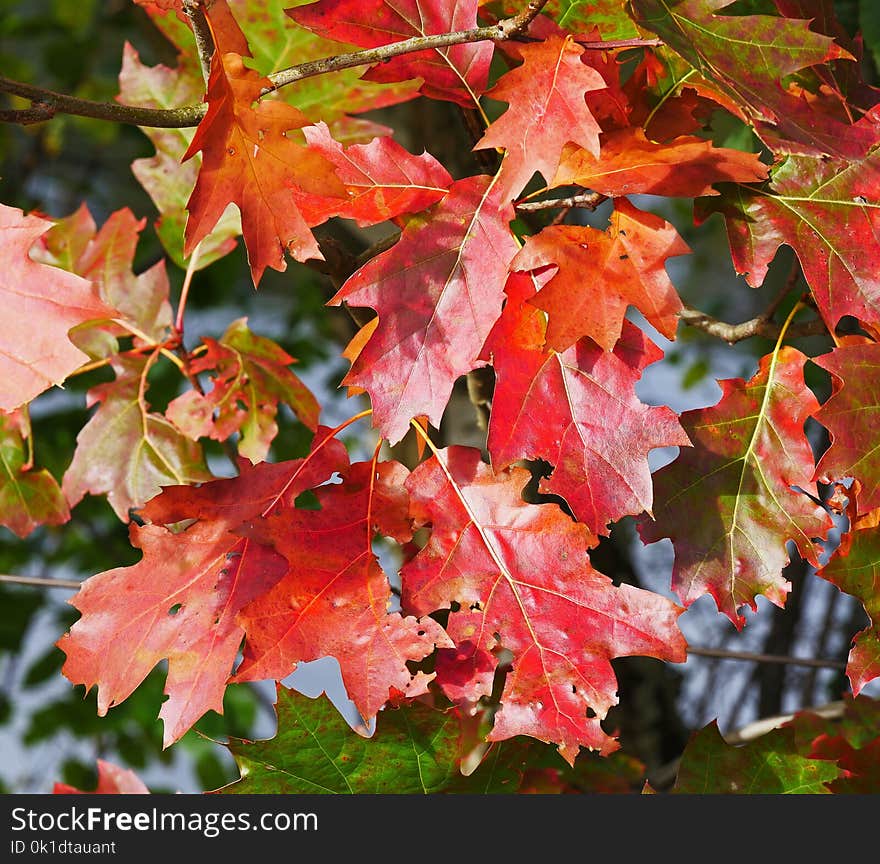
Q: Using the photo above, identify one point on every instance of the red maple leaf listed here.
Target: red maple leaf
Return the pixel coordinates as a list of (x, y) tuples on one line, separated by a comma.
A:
[(249, 158), (32, 359), (438, 292), (748, 57), (181, 601), (518, 577), (732, 501), (546, 109), (459, 73), (578, 411), (335, 598), (630, 164), (627, 267), (383, 180), (105, 257)]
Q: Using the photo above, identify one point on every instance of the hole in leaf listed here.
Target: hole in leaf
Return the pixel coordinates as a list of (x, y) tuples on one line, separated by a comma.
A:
[(175, 608), (590, 713)]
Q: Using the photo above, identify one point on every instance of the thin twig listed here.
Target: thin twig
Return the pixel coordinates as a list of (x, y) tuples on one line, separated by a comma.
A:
[(618, 44), (39, 112), (41, 581), (184, 291), (585, 200), (61, 103), (748, 656), (759, 326)]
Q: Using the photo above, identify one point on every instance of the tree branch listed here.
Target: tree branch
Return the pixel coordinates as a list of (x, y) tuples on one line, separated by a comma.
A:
[(178, 118), (204, 40), (586, 200), (749, 656), (60, 103), (41, 581), (759, 326)]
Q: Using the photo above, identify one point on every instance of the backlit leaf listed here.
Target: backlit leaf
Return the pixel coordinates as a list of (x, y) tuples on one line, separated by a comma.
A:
[(518, 577), (578, 411), (33, 359), (438, 292), (126, 451), (732, 501)]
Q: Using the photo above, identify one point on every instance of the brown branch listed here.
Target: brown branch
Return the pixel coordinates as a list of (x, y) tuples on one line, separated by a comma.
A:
[(178, 118), (39, 112), (617, 44), (194, 10), (759, 326), (751, 657), (586, 200), (61, 103), (41, 582)]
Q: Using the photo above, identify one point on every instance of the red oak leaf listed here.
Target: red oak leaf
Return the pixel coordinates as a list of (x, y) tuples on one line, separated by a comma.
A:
[(335, 599), (858, 573), (383, 180), (578, 411), (259, 490), (180, 602), (33, 359), (250, 377), (249, 159), (459, 73), (519, 578), (827, 211), (630, 164), (731, 503), (438, 292), (546, 109), (627, 267), (852, 417), (112, 780)]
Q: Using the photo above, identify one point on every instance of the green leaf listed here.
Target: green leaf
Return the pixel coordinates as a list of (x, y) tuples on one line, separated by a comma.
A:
[(413, 751), (28, 498), (732, 502), (769, 765), (828, 212), (582, 16)]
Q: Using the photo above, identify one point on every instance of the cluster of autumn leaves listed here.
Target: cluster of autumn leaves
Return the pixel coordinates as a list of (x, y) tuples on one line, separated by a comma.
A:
[(486, 580)]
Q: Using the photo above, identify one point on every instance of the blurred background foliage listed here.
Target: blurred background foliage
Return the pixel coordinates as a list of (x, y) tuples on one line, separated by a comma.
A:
[(48, 730)]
